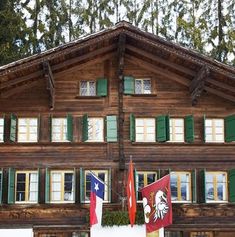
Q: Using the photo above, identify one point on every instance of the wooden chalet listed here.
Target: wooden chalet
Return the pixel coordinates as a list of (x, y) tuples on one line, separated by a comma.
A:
[(91, 104)]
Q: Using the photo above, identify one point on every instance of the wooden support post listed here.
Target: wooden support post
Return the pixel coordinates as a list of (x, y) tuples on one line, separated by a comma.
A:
[(198, 84), (50, 83), (121, 54)]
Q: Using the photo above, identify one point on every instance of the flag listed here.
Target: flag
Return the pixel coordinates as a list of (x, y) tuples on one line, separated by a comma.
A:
[(96, 200), (130, 189), (157, 204)]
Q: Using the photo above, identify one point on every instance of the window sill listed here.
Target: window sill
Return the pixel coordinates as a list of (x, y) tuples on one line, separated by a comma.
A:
[(89, 97), (141, 95)]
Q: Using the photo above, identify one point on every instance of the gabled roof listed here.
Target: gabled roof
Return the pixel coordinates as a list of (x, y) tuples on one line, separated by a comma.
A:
[(187, 67)]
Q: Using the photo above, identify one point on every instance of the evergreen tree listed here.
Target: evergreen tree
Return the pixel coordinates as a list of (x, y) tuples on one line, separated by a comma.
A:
[(13, 32)]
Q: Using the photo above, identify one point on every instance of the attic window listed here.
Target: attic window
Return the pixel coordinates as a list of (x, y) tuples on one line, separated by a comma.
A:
[(98, 87), (87, 88), (137, 86)]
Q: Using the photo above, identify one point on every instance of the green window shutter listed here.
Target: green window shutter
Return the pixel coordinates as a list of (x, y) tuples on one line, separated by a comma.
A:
[(162, 128), (69, 134), (229, 123), (85, 128), (129, 85), (111, 128), (204, 128), (11, 186), (109, 185), (102, 86), (1, 186), (82, 185), (132, 127), (13, 128), (39, 128), (203, 186), (232, 185), (194, 186), (189, 128), (47, 186)]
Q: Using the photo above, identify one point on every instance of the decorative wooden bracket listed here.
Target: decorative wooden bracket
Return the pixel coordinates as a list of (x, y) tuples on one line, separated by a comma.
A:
[(50, 83), (121, 55), (198, 84)]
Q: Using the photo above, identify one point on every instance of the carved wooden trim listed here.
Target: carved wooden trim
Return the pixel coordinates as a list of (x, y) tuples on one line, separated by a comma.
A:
[(121, 54), (198, 84), (50, 83)]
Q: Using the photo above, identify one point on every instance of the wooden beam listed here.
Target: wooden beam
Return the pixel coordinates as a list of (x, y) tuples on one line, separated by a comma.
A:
[(172, 76), (158, 70), (78, 59), (165, 62), (197, 85), (50, 83), (19, 80), (121, 56), (19, 88), (222, 85)]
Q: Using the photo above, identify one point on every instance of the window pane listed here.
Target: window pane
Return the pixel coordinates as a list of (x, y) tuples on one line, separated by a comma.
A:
[(139, 122), (208, 123), (147, 87), (210, 192), (138, 87), (92, 91)]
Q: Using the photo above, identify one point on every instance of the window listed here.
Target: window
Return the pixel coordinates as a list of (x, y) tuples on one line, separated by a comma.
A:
[(1, 129), (181, 186), (176, 130), (99, 87), (214, 130), (0, 186), (96, 129), (27, 130), (143, 179), (87, 88), (136, 86), (102, 175), (173, 234), (216, 186), (145, 130), (142, 86), (201, 234), (26, 186), (62, 186), (59, 130)]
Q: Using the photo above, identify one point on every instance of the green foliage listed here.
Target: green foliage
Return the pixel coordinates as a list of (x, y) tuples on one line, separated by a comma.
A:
[(31, 26), (111, 218)]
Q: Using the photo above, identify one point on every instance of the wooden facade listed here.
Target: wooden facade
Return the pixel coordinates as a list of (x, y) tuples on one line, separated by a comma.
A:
[(47, 85)]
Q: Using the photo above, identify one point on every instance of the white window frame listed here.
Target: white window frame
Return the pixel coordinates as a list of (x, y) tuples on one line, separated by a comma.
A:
[(62, 129), (28, 129), (27, 185), (62, 182), (179, 185), (214, 130), (145, 128), (143, 91), (2, 130), (106, 181), (215, 185), (88, 92), (173, 130), (145, 174), (92, 127)]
